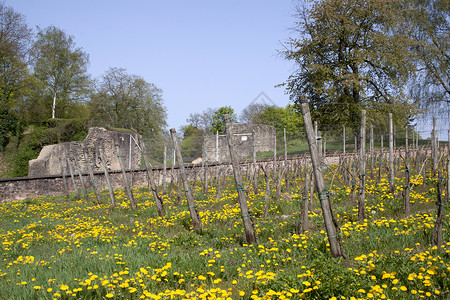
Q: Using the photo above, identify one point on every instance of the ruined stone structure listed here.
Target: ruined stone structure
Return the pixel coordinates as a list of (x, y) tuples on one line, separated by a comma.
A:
[(246, 137), (53, 157)]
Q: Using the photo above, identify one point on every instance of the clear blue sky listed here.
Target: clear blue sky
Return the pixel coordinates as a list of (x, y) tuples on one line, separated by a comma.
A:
[(201, 53)]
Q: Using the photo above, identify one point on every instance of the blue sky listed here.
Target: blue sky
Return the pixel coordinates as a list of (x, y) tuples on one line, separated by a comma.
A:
[(200, 53)]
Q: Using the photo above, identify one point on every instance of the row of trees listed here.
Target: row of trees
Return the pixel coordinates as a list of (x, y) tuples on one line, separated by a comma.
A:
[(44, 75)]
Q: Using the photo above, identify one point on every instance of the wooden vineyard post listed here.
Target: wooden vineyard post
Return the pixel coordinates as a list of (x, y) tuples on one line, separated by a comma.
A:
[(434, 147), (77, 192), (436, 238), (255, 166), (91, 175), (391, 155), (83, 186), (448, 169), (108, 179), (372, 154), (246, 215), (343, 139), (63, 175), (164, 189), (125, 180), (362, 169), (406, 200), (304, 226), (151, 182), (196, 222), (331, 224), (285, 145), (267, 194)]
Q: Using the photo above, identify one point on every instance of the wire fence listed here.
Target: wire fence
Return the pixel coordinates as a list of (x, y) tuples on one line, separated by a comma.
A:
[(161, 150)]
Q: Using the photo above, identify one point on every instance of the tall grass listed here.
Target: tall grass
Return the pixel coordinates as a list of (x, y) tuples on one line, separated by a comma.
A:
[(60, 248)]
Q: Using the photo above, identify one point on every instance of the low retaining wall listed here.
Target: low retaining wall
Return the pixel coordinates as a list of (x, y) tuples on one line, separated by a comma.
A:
[(20, 188)]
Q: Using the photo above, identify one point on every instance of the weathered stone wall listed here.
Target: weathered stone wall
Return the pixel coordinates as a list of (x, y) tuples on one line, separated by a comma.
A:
[(20, 188), (52, 158), (245, 137)]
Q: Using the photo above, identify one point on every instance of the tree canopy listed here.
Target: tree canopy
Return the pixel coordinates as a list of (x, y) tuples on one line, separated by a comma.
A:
[(288, 118), (128, 101), (430, 33), (15, 37), (62, 68), (351, 54), (218, 119)]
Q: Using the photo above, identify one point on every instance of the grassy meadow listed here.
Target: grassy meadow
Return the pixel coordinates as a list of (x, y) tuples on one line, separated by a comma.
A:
[(60, 248)]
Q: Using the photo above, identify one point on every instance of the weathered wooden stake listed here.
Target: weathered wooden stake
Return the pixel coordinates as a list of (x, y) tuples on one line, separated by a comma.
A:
[(372, 154), (407, 188), (196, 221), (391, 155), (63, 174), (108, 179), (83, 186), (125, 180), (246, 214), (362, 169), (77, 192), (343, 139), (331, 225), (91, 175), (151, 181), (436, 238), (164, 180)]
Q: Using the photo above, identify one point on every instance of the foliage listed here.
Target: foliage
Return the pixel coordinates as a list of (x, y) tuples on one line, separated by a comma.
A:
[(202, 120), (62, 68), (15, 36), (192, 142), (288, 118), (430, 34), (56, 131), (249, 113), (128, 101), (218, 121), (351, 55)]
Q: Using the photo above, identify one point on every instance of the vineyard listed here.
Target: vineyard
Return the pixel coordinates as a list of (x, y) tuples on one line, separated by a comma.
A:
[(63, 248)]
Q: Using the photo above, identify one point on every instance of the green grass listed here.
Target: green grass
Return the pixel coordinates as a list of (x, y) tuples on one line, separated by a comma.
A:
[(56, 247)]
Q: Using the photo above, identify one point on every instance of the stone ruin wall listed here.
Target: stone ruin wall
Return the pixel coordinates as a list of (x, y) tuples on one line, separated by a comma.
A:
[(52, 158), (244, 137)]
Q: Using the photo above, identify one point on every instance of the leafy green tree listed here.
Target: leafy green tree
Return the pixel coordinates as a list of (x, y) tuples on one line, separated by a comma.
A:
[(192, 141), (282, 118), (249, 113), (352, 54), (127, 101), (62, 67), (15, 38), (430, 32), (218, 121), (202, 120)]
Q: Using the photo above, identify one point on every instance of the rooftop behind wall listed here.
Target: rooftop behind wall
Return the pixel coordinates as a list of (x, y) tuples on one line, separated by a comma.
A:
[(53, 157), (245, 137)]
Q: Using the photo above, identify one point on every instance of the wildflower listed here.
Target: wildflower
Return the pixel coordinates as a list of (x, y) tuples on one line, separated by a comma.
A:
[(37, 287), (63, 287), (241, 293), (109, 295)]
